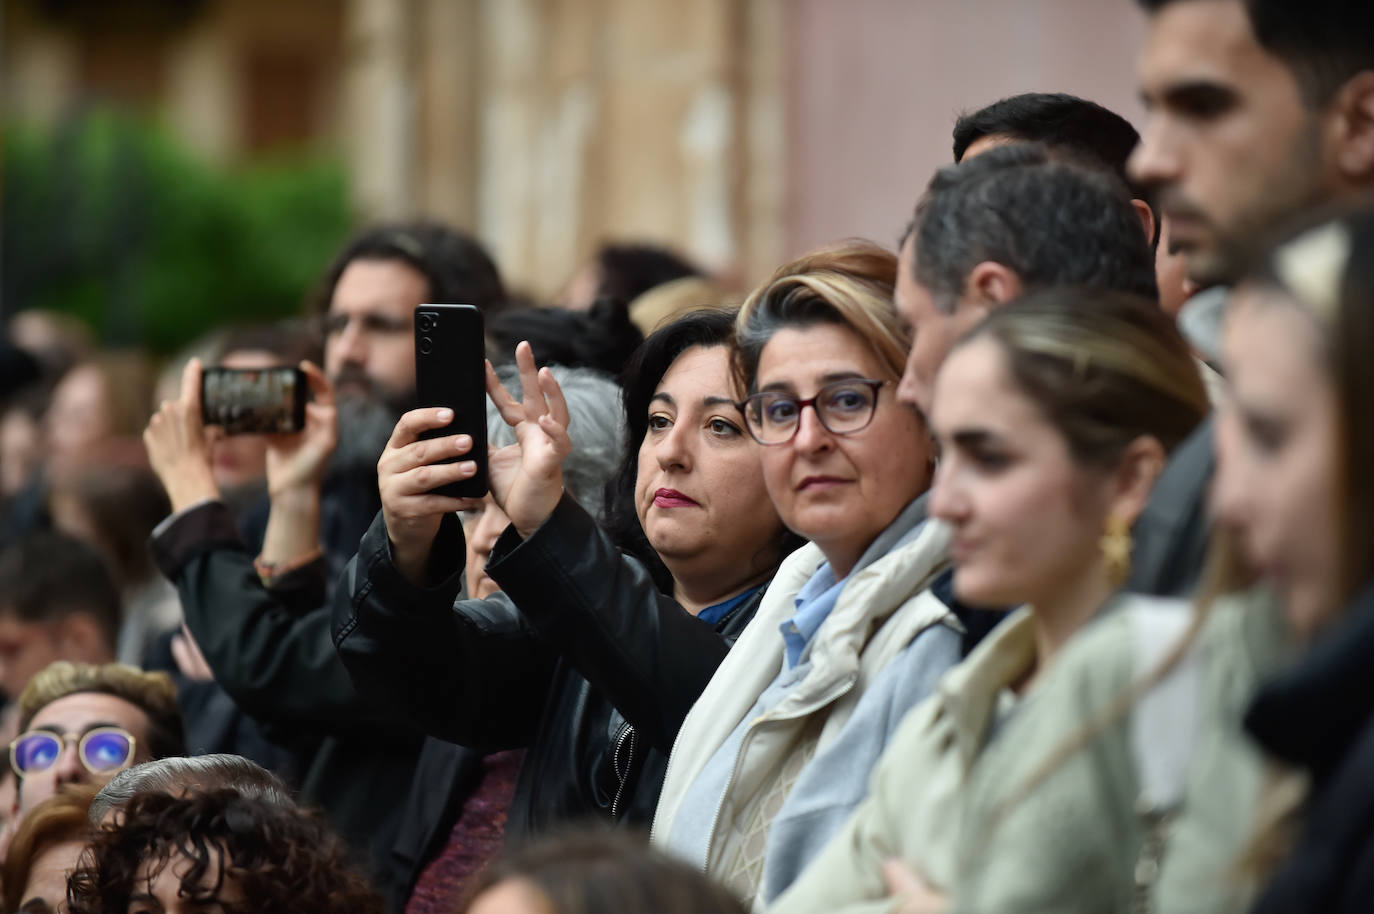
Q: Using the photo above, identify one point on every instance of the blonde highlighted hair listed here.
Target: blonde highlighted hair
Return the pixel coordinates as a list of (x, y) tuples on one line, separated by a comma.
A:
[(849, 283)]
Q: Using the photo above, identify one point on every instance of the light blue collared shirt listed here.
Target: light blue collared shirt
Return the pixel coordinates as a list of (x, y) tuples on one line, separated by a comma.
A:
[(815, 600)]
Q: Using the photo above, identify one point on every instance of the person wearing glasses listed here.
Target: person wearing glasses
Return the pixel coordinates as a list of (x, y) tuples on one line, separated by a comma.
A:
[(776, 752), (83, 724)]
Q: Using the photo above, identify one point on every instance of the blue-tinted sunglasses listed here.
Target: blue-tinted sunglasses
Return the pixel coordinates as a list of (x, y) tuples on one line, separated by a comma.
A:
[(102, 750)]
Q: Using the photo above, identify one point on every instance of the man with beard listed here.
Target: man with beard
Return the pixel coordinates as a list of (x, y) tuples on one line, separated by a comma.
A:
[(367, 302), (262, 624)]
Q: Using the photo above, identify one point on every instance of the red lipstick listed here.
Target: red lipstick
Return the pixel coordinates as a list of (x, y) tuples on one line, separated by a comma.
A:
[(672, 498)]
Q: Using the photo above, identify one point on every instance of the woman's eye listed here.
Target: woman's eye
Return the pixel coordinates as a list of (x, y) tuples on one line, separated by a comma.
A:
[(659, 422), (724, 428), (848, 401), (780, 411)]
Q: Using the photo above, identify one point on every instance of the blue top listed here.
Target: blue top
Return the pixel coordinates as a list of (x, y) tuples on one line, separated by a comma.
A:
[(712, 615), (814, 601)]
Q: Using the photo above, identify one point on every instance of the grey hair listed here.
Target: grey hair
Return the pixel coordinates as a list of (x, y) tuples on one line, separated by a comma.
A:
[(176, 774), (1053, 222), (596, 425)]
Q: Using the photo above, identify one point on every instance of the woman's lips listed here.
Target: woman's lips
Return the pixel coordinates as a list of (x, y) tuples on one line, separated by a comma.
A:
[(672, 498), (813, 483)]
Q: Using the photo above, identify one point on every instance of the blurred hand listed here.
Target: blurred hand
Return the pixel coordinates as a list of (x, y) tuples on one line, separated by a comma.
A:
[(913, 893), (177, 447), (299, 460), (189, 659), (406, 472), (529, 488)]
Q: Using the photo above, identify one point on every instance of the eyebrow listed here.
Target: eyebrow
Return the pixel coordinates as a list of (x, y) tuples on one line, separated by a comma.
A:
[(970, 438), (848, 374), (1191, 90), (61, 731)]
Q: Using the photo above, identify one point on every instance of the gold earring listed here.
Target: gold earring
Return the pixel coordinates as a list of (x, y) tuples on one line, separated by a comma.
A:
[(1116, 550)]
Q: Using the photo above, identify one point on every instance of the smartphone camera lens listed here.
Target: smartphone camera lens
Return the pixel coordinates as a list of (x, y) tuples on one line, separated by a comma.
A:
[(426, 345), (426, 323)]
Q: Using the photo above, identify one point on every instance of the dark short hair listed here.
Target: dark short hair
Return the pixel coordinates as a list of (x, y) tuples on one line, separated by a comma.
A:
[(48, 576), (456, 266), (1053, 222), (1324, 42), (280, 858), (603, 338), (630, 270), (1063, 123)]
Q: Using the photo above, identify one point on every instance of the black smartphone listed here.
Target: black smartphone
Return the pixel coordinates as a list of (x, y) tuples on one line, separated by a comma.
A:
[(450, 359), (254, 401)]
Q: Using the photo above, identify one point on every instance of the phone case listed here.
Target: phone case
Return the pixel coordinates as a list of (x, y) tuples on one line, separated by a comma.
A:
[(450, 355)]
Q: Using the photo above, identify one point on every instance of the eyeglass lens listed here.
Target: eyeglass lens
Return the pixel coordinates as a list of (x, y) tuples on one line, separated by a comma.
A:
[(100, 750), (845, 406)]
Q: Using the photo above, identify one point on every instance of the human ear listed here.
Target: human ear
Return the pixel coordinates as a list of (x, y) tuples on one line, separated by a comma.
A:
[(1147, 219), (1134, 479), (992, 284), (1354, 108)]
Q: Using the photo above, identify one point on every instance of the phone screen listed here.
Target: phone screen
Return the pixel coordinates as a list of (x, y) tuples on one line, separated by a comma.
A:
[(254, 401)]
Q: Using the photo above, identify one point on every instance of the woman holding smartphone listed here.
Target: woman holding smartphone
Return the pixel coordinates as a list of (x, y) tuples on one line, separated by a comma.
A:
[(588, 657)]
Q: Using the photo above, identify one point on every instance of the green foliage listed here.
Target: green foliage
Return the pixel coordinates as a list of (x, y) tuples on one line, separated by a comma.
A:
[(112, 220)]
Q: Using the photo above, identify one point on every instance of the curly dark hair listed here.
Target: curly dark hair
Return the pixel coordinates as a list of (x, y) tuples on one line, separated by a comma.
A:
[(276, 858)]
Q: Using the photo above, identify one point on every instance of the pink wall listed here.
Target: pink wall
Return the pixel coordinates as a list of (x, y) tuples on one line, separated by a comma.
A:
[(875, 85)]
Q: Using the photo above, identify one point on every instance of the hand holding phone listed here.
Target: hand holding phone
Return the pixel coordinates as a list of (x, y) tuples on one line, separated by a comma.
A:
[(450, 355)]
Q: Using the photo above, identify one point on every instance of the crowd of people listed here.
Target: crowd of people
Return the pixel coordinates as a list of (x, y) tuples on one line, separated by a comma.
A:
[(1025, 569)]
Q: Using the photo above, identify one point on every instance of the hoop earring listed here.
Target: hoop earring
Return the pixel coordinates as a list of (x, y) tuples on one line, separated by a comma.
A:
[(1116, 545)]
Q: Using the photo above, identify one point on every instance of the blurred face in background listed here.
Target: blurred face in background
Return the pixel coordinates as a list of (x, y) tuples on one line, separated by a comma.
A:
[(369, 344), (1276, 440), (21, 451), (241, 460), (79, 417)]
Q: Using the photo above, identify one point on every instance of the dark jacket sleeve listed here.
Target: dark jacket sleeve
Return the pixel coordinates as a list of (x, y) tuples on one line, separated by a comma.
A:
[(467, 671), (638, 646), (269, 649)]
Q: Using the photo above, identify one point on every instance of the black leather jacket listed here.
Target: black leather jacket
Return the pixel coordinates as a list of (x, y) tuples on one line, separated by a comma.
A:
[(596, 715)]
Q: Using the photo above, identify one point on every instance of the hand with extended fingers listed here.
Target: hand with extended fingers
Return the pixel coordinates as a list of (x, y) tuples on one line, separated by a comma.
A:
[(526, 479), (298, 460), (178, 447)]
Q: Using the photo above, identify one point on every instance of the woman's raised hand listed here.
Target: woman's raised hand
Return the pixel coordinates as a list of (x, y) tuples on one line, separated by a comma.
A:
[(527, 489), (407, 472)]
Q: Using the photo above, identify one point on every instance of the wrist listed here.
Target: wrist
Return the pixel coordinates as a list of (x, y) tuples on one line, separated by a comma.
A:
[(187, 488), (296, 496)]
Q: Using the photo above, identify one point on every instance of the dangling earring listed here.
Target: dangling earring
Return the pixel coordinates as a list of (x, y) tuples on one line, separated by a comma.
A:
[(1116, 550)]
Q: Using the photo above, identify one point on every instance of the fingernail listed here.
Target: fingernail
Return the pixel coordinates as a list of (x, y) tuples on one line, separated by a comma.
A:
[(463, 441), (468, 466), (445, 415)]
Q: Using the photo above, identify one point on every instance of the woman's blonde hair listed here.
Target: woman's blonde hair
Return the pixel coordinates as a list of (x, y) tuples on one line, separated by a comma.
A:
[(850, 283)]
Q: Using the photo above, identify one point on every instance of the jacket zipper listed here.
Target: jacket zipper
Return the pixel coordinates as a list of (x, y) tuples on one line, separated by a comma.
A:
[(624, 742)]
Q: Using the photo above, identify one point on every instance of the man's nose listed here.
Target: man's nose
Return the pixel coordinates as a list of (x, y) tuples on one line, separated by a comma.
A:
[(69, 769)]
